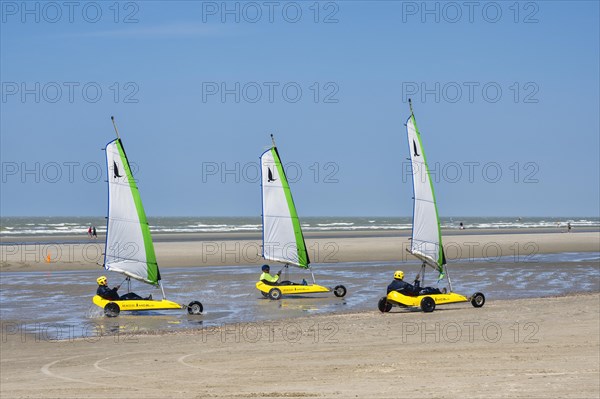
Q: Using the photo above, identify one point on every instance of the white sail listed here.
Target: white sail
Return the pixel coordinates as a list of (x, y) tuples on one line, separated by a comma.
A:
[(129, 248), (282, 235), (426, 235)]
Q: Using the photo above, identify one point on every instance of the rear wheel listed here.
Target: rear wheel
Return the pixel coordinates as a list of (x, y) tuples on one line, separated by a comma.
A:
[(478, 299), (339, 291), (195, 307), (427, 304), (112, 310), (275, 294), (383, 305)]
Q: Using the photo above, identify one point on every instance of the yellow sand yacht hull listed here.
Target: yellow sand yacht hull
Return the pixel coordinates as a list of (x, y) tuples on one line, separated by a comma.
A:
[(113, 308), (276, 291), (427, 302)]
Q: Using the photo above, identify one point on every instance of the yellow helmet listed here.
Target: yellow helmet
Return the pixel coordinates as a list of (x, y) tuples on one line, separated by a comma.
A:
[(101, 280), (399, 275)]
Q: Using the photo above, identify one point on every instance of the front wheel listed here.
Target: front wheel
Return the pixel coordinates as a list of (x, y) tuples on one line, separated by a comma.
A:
[(275, 294), (195, 307), (383, 305), (264, 294), (112, 310), (478, 299), (427, 304), (339, 291)]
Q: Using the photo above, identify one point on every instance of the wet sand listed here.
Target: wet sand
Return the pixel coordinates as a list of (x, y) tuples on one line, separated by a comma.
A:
[(526, 348), (231, 249), (229, 295)]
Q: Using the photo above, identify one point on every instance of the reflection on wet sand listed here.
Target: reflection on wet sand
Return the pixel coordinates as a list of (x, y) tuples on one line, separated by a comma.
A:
[(58, 304)]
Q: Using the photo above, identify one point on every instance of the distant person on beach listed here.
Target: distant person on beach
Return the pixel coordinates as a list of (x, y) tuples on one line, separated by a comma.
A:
[(461, 226), (111, 293), (90, 232), (266, 277), (94, 233), (569, 227)]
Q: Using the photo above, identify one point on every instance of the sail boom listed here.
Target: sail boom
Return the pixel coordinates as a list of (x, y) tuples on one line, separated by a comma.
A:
[(116, 259), (425, 259), (286, 262), (133, 276)]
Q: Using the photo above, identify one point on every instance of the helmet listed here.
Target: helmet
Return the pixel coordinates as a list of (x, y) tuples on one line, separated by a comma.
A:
[(101, 280), (399, 275), (265, 268)]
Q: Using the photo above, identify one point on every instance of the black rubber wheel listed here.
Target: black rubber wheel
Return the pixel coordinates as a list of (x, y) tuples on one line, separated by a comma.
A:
[(478, 299), (275, 294), (264, 294), (195, 307), (427, 304), (383, 305), (112, 310), (339, 291)]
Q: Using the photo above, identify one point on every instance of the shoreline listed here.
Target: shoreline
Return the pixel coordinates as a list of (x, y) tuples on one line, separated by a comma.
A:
[(256, 235), (199, 250)]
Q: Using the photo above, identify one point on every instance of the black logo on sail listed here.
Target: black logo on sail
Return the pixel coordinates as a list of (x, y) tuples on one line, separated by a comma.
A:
[(270, 178), (415, 149), (116, 170)]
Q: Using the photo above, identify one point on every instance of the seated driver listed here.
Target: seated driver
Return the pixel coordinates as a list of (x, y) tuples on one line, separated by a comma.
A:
[(111, 293), (402, 286), (266, 276)]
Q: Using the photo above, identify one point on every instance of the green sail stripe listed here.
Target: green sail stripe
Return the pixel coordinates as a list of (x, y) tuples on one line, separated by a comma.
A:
[(300, 244), (151, 264), (441, 257)]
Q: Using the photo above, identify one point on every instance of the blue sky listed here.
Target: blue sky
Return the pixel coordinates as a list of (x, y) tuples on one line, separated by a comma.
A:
[(506, 98)]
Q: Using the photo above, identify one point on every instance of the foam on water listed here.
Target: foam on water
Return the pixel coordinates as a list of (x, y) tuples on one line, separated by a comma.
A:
[(27, 226)]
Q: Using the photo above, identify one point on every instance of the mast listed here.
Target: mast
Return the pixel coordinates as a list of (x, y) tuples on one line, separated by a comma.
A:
[(112, 118)]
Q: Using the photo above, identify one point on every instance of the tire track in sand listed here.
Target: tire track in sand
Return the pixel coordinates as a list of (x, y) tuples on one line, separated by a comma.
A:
[(45, 369), (181, 360), (98, 367)]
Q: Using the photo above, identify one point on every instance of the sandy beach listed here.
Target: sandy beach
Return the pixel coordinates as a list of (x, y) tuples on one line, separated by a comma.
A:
[(528, 348), (521, 348), (189, 250)]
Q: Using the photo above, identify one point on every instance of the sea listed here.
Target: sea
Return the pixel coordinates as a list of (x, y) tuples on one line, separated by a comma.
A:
[(68, 225)]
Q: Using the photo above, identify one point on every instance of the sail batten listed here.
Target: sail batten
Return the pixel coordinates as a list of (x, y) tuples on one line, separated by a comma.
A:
[(426, 242), (283, 240), (129, 248), (424, 200), (136, 221)]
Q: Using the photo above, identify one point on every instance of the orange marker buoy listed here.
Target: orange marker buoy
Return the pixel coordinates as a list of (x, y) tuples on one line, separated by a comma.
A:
[(48, 258)]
